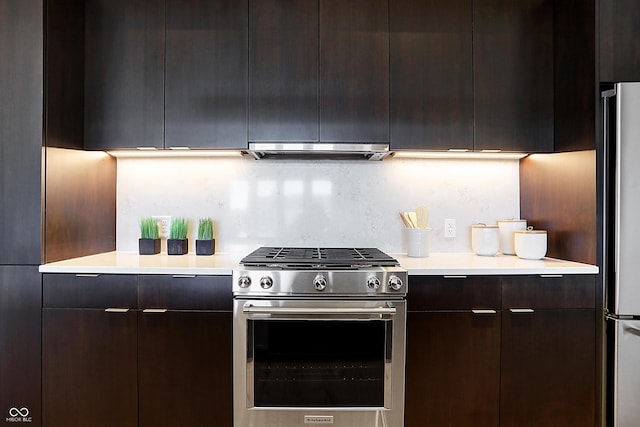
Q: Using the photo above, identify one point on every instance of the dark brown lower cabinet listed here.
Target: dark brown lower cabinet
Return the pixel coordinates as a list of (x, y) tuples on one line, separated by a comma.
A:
[(453, 369), (548, 368), (89, 368), (20, 320), (185, 369)]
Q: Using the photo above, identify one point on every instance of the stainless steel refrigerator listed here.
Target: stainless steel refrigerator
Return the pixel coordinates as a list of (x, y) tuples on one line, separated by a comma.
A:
[(621, 106)]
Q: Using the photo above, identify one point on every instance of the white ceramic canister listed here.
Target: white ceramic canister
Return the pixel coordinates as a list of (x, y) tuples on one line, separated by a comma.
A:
[(418, 242), (507, 227), (530, 244), (485, 239)]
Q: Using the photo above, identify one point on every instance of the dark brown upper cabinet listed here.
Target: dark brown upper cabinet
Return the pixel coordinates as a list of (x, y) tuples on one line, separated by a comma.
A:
[(619, 40), (206, 74), (513, 75), (354, 70), (21, 110), (431, 74), (283, 70), (124, 78), (319, 71)]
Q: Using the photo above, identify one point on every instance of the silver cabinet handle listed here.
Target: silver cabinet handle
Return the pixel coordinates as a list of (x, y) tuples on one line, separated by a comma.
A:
[(551, 276), (116, 310), (483, 311), (87, 275), (521, 310), (455, 277), (184, 276), (154, 310)]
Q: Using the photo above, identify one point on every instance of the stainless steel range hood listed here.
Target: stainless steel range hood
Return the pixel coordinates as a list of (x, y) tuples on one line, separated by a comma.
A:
[(314, 150)]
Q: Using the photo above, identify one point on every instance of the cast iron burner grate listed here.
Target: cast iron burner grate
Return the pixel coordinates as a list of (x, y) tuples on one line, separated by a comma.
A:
[(308, 258)]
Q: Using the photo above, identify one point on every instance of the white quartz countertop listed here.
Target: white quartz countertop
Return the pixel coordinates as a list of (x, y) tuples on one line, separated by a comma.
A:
[(223, 264)]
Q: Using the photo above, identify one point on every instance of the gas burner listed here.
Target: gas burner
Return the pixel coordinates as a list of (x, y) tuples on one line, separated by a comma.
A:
[(300, 258)]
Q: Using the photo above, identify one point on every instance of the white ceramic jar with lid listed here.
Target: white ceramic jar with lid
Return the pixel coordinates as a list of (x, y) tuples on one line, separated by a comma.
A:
[(485, 239), (507, 228), (530, 243)]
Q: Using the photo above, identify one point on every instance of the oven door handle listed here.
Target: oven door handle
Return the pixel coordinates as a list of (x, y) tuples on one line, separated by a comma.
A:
[(250, 308)]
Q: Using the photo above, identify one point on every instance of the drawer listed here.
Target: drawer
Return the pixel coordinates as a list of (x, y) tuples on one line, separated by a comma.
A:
[(428, 293), (185, 292), (548, 292), (89, 291)]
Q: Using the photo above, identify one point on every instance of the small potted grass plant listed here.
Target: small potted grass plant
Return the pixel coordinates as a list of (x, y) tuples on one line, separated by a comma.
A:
[(205, 244), (149, 242), (177, 243)]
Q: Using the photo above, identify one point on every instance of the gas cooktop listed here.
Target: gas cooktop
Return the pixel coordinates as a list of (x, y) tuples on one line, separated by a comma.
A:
[(311, 258)]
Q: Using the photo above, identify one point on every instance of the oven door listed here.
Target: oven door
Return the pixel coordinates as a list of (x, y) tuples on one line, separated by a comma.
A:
[(302, 355)]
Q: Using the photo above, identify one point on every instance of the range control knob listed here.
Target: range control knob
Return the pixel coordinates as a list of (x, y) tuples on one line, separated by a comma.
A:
[(320, 282), (244, 281), (395, 283), (266, 282), (373, 282)]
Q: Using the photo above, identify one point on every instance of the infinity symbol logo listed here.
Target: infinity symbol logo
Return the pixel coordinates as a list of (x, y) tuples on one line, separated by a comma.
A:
[(14, 412)]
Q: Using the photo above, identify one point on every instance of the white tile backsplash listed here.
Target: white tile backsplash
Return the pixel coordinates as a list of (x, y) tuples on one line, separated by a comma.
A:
[(315, 203)]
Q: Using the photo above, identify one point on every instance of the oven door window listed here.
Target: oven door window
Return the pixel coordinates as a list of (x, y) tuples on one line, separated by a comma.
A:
[(318, 363)]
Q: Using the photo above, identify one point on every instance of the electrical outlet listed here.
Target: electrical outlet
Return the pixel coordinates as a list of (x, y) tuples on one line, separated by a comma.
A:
[(164, 225), (449, 228)]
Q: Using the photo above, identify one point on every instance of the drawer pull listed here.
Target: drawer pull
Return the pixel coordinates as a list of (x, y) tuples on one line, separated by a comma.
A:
[(455, 277), (116, 310), (184, 276), (483, 311), (87, 275), (551, 276), (154, 310), (521, 310)]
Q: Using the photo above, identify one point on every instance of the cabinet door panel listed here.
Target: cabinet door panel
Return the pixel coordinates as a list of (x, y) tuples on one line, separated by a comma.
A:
[(548, 368), (431, 74), (619, 40), (513, 75), (124, 62), (185, 363), (569, 291), (453, 369), (21, 88), (102, 291), (185, 293), (206, 74), (20, 340), (283, 70), (89, 360), (354, 71), (453, 293)]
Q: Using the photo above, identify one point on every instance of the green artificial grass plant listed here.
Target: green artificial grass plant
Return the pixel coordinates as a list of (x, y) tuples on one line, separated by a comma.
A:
[(148, 228), (205, 229), (179, 227)]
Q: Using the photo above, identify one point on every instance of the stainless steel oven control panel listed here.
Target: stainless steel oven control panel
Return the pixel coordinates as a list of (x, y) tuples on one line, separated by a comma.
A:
[(375, 281)]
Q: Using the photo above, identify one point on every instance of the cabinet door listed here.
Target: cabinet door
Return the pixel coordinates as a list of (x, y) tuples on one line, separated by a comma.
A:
[(185, 369), (431, 74), (124, 62), (453, 369), (354, 71), (619, 40), (283, 70), (513, 75), (21, 88), (206, 74), (548, 368), (20, 340), (89, 360)]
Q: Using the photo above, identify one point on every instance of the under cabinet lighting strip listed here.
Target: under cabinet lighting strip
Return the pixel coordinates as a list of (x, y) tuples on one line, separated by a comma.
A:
[(150, 152)]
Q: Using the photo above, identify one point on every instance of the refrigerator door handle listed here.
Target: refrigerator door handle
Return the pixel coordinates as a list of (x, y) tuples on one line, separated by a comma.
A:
[(632, 330)]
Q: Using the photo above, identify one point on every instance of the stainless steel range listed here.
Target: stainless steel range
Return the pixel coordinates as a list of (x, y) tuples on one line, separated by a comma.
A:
[(319, 338)]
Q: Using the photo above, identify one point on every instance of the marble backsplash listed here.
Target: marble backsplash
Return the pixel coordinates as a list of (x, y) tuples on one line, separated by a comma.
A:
[(315, 203)]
